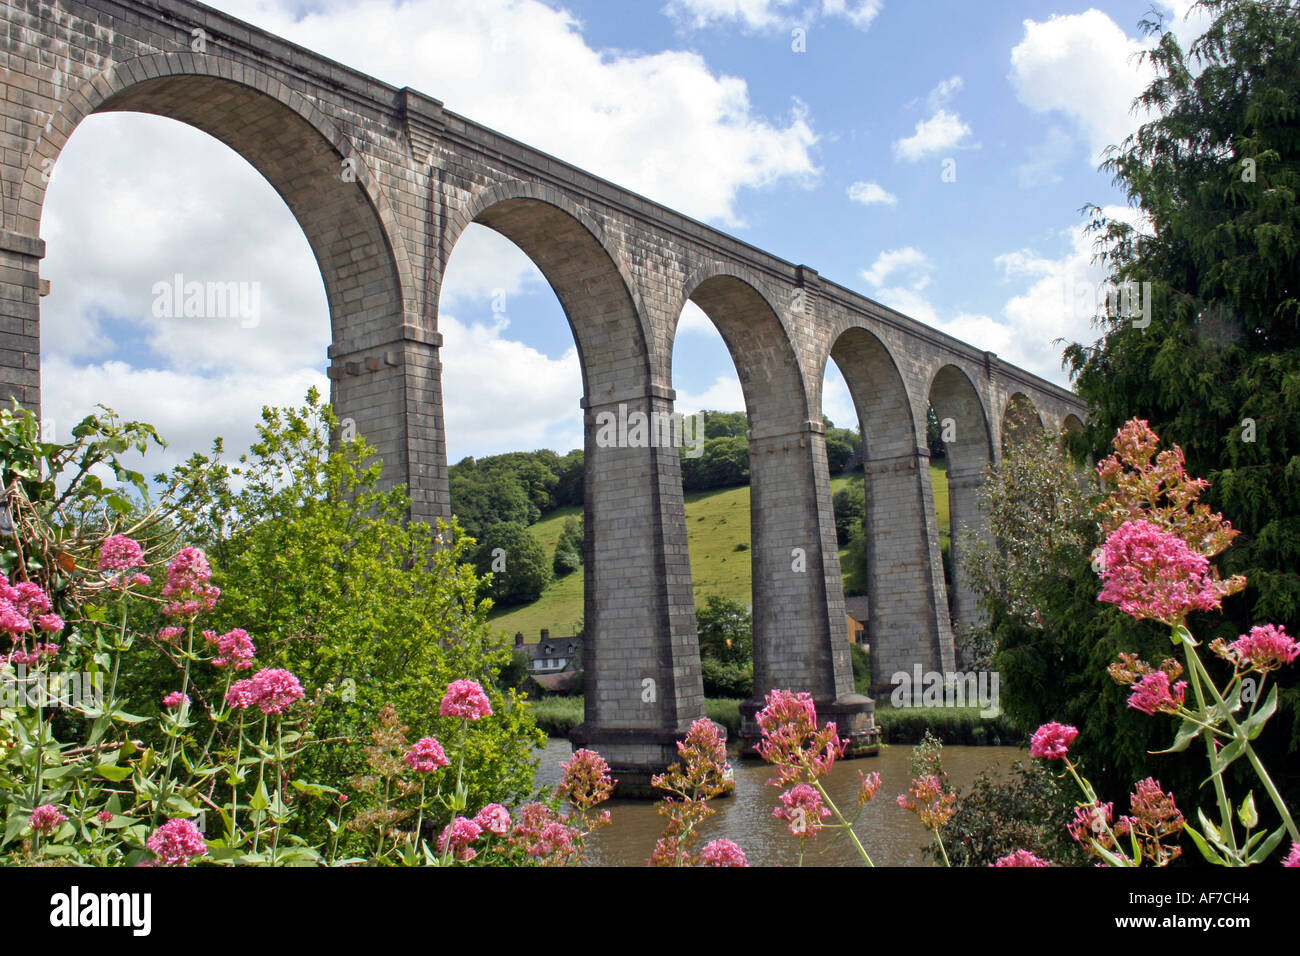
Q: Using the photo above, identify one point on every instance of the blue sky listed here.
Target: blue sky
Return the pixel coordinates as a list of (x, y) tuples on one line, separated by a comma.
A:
[(833, 156)]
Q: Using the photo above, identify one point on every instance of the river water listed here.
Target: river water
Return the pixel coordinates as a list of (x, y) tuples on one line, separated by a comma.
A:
[(891, 835)]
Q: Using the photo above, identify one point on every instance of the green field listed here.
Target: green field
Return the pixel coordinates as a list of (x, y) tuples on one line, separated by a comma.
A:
[(717, 530)]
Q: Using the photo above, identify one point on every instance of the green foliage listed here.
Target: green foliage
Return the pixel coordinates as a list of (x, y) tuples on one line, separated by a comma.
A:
[(726, 631), (526, 571), (861, 660), (953, 725), (1027, 810), (569, 549), (850, 506), (727, 679), (854, 565), (323, 568)]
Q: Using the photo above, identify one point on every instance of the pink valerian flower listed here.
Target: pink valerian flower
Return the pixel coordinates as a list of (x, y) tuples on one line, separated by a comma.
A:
[(494, 818), (585, 780), (50, 623), (1091, 822), (928, 798), (792, 741), (120, 553), (1293, 858), (277, 689), (170, 634), (1155, 818), (802, 809), (38, 653), (459, 834), (242, 695), (1154, 574), (46, 819), (235, 649), (426, 755), (465, 699), (1153, 694), (176, 699), (176, 842), (187, 584), (1052, 741), (1266, 648), (104, 816), (870, 783), (541, 833), (722, 853), (1020, 858)]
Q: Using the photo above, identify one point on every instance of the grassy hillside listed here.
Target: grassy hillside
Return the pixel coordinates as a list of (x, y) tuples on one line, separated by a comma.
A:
[(717, 530)]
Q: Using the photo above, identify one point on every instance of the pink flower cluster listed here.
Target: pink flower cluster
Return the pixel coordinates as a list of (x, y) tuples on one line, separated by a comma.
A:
[(1052, 741), (542, 833), (494, 818), (802, 809), (46, 819), (1153, 573), (722, 853), (1091, 822), (459, 834), (176, 699), (792, 741), (426, 755), (1266, 648), (187, 584), (1293, 858), (272, 690), (176, 842), (1153, 694), (585, 779), (25, 607), (465, 699), (1020, 858), (120, 553), (235, 649), (930, 800)]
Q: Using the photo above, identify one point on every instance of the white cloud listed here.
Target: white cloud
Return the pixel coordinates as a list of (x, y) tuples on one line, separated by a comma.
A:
[(763, 16), (724, 395), (1084, 66), (945, 91), (485, 264), (887, 263), (694, 320), (524, 68), (486, 380), (942, 131), (869, 193)]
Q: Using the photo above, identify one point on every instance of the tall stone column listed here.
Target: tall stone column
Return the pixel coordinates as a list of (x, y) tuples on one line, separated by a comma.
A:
[(800, 630), (20, 336), (642, 660), (909, 609), (391, 394)]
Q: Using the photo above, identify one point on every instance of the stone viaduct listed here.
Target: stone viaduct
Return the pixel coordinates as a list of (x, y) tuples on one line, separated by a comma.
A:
[(384, 180)]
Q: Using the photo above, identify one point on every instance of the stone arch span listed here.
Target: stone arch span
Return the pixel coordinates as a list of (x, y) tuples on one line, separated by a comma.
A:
[(908, 616)]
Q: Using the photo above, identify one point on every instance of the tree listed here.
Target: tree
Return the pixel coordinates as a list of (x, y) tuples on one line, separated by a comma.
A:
[(1202, 335), (850, 506), (367, 608), (726, 630), (518, 565), (568, 549)]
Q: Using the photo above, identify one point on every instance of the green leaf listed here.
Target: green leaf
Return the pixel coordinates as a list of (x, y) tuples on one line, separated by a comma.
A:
[(114, 773), (1254, 724), (1204, 847), (1188, 731)]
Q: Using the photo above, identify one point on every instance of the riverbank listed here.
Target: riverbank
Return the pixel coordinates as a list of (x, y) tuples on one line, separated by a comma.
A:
[(953, 725)]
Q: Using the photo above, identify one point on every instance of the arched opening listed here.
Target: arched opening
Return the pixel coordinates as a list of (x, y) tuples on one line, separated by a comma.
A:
[(963, 428), (203, 320), (641, 673), (793, 560), (893, 579), (1020, 420)]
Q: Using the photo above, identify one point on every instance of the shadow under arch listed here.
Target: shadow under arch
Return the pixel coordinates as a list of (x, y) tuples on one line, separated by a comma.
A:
[(964, 427), (1020, 420), (907, 620)]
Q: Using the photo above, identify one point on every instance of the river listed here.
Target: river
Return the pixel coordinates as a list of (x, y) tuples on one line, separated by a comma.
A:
[(891, 835)]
